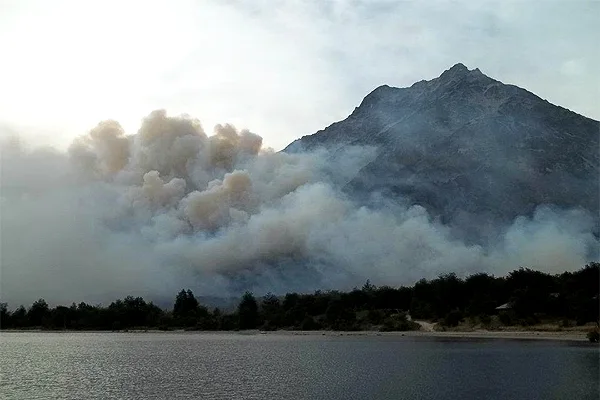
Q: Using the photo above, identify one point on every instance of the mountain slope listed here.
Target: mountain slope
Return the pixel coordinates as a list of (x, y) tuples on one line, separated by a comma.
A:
[(469, 148)]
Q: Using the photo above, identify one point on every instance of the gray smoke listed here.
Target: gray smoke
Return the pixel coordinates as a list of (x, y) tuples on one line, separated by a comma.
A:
[(173, 207)]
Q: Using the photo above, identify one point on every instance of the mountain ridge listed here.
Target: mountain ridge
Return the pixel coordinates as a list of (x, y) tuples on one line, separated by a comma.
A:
[(453, 74), (464, 144)]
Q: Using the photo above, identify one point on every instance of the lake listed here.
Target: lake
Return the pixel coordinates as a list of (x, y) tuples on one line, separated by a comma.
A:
[(282, 366)]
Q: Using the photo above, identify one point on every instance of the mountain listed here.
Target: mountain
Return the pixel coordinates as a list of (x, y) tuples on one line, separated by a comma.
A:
[(469, 148)]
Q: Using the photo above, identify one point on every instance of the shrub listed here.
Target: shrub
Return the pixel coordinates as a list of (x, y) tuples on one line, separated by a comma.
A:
[(452, 319), (505, 318), (309, 324), (375, 317), (267, 326), (396, 323), (529, 320), (566, 323), (485, 319), (349, 326), (593, 336)]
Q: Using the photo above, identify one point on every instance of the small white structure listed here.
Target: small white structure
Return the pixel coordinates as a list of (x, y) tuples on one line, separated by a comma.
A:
[(505, 306)]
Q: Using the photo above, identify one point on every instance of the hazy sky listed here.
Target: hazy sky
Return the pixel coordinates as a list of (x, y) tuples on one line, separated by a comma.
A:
[(281, 69)]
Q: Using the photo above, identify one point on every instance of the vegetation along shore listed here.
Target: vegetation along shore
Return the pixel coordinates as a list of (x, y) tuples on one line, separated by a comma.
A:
[(525, 304)]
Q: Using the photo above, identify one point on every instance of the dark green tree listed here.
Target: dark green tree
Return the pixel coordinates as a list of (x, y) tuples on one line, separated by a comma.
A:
[(187, 311), (452, 319), (271, 312), (19, 317), (60, 318), (290, 301), (309, 324), (530, 291), (37, 312), (482, 292), (5, 316), (248, 312), (185, 304), (339, 317)]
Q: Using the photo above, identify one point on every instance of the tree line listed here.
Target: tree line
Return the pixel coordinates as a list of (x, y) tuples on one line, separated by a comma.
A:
[(527, 297)]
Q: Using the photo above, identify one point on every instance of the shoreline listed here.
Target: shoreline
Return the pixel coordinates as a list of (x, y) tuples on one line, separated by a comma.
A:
[(577, 336), (509, 335)]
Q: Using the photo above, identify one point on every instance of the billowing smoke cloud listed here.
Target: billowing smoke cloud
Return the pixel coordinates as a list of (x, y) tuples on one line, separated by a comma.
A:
[(173, 207)]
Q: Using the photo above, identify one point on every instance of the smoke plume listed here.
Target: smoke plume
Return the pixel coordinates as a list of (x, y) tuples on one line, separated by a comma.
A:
[(172, 207)]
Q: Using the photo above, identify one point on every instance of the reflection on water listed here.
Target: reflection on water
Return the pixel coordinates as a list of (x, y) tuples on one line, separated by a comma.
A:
[(232, 366)]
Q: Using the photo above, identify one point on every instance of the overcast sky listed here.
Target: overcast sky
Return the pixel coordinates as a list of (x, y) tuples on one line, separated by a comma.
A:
[(281, 69)]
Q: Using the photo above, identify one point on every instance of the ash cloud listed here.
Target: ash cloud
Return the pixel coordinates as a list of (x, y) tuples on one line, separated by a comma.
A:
[(172, 207)]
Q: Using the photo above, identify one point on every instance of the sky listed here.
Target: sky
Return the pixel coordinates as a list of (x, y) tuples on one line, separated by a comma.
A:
[(280, 69)]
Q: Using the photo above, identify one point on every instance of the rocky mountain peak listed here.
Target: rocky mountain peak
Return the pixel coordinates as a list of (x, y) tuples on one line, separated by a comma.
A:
[(459, 71), (456, 69), (466, 144)]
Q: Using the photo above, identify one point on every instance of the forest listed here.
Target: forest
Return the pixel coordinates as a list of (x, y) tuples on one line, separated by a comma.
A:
[(524, 297)]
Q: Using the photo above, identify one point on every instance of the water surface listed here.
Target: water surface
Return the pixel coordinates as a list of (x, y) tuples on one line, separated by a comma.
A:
[(274, 366)]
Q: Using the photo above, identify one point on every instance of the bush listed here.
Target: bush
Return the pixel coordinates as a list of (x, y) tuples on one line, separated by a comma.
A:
[(348, 326), (528, 321), (396, 323), (452, 319), (206, 324), (375, 317), (566, 323), (506, 318), (309, 324), (593, 336), (268, 327), (485, 319)]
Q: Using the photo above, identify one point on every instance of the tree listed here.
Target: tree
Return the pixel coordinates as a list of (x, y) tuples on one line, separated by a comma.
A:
[(386, 297), (581, 293), (309, 324), (248, 312), (452, 319), (60, 317), (187, 310), (290, 301), (271, 311), (37, 312), (340, 317), (185, 304), (5, 317), (481, 291), (19, 317), (368, 287)]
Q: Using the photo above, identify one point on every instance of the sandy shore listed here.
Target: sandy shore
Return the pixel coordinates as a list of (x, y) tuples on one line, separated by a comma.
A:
[(513, 335), (576, 336)]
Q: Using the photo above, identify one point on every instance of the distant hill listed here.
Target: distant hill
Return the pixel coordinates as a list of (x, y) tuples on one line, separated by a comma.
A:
[(469, 148)]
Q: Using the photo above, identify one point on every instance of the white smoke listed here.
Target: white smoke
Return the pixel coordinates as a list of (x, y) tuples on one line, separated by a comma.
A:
[(172, 207)]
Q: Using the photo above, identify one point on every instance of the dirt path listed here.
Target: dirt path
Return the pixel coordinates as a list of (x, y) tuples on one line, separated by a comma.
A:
[(426, 326)]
